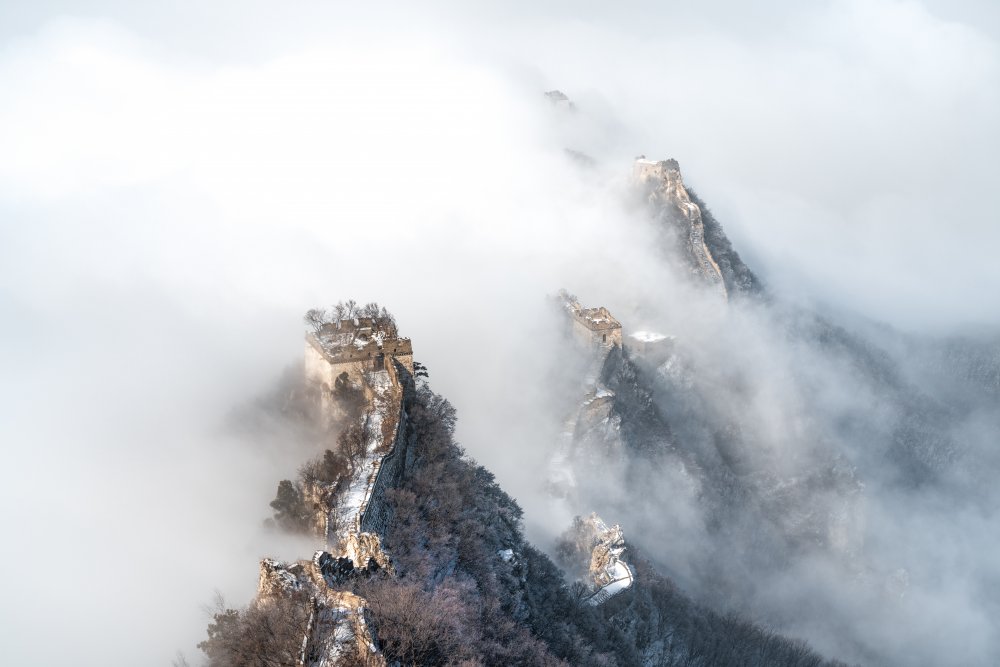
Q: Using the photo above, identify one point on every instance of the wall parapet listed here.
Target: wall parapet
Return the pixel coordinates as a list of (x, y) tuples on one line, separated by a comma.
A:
[(593, 327), (375, 514)]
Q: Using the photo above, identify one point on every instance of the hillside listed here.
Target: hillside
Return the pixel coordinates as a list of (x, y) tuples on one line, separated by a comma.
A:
[(746, 464), (445, 575)]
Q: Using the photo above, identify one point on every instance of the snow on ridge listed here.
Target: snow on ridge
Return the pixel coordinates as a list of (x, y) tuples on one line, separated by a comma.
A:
[(623, 580), (355, 497), (610, 573), (648, 336)]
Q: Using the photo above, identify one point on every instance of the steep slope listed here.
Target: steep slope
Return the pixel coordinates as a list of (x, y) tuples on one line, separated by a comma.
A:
[(455, 532), (691, 230), (739, 278), (773, 438), (448, 578)]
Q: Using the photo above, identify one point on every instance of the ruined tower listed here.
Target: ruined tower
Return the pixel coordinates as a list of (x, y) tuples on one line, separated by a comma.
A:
[(592, 327), (344, 351)]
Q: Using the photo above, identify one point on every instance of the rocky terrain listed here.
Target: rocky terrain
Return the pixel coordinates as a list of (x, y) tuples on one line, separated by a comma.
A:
[(443, 574), (716, 487)]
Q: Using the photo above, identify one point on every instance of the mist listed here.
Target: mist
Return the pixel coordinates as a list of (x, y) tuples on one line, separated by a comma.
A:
[(177, 187)]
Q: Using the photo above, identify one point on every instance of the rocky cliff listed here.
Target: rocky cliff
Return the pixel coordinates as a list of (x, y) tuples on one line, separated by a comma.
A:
[(691, 230), (426, 563)]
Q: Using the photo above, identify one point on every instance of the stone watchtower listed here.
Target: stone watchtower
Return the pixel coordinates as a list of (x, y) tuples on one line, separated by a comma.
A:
[(593, 327), (354, 347), (644, 170)]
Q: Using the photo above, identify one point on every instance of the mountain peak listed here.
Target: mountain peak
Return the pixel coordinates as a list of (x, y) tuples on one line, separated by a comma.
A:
[(692, 229)]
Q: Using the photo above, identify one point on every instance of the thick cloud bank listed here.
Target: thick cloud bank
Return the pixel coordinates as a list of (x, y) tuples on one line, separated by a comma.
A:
[(177, 187)]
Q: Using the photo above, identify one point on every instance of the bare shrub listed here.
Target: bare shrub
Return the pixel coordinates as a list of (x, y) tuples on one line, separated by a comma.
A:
[(267, 633), (417, 627), (351, 444)]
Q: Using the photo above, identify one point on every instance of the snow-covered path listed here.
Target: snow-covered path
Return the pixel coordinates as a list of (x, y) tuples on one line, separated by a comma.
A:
[(623, 578), (352, 503)]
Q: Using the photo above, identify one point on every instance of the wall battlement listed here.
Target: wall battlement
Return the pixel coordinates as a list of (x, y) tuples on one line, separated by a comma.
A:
[(645, 170), (665, 189), (354, 347), (592, 326), (374, 517), (352, 514), (359, 338)]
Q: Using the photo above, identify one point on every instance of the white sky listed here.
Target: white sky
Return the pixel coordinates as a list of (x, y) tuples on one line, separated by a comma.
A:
[(179, 181)]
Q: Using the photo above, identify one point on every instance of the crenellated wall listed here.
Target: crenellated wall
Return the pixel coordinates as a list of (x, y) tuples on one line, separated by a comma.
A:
[(323, 369), (598, 338), (352, 523), (666, 189), (375, 515), (592, 327)]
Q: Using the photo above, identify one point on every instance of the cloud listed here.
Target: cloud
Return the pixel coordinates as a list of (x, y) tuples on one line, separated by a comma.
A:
[(165, 229), (177, 187)]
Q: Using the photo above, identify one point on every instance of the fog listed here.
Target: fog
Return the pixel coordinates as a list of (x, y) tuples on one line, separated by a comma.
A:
[(178, 186)]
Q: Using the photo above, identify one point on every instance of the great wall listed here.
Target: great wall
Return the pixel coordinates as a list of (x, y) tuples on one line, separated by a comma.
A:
[(596, 332), (367, 356), (665, 189), (364, 355)]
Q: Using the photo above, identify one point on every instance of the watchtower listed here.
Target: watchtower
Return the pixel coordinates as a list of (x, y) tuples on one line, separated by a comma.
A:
[(593, 327), (644, 170), (355, 347)]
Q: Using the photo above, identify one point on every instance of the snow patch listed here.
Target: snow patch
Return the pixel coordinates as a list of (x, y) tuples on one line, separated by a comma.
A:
[(648, 336)]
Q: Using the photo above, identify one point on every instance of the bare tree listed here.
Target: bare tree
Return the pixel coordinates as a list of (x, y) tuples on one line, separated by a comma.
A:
[(390, 422), (387, 322), (311, 472), (350, 309), (419, 628), (315, 318), (268, 633), (325, 469), (352, 445), (339, 311)]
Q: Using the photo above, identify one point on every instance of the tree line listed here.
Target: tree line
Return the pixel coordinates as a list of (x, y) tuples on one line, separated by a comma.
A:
[(317, 318)]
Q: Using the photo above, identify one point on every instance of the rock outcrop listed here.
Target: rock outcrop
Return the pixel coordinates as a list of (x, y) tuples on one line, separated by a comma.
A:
[(337, 628), (698, 236), (592, 551), (667, 193), (608, 573)]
